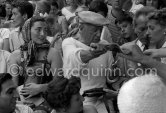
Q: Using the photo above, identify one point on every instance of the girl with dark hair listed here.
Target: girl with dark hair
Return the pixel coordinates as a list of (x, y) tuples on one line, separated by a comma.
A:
[(156, 32)]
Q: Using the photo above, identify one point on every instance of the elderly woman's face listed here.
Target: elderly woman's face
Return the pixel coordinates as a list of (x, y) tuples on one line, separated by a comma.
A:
[(39, 32), (153, 3), (76, 104), (155, 32)]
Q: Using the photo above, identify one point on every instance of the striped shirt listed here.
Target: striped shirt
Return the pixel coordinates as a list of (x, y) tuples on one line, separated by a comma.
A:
[(113, 28)]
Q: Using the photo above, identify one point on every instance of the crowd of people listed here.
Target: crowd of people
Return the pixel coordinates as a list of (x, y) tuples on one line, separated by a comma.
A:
[(82, 56)]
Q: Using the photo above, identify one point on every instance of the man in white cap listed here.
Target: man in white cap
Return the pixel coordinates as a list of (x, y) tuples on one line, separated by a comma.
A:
[(84, 58)]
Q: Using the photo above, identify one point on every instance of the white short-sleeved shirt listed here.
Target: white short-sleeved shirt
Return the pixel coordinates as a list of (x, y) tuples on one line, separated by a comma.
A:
[(23, 109), (92, 74), (4, 59), (4, 34), (15, 39)]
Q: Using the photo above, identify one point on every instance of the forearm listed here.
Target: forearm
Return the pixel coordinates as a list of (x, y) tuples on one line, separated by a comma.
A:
[(160, 67), (162, 52), (85, 56)]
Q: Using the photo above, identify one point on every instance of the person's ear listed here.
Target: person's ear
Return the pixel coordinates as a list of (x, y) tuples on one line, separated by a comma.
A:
[(25, 17), (80, 26)]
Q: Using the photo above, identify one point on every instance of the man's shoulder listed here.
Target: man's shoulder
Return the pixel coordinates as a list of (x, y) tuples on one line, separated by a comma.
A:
[(68, 41), (23, 109), (14, 31)]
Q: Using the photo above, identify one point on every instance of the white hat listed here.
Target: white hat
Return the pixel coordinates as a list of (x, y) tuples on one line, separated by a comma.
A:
[(92, 18), (144, 94)]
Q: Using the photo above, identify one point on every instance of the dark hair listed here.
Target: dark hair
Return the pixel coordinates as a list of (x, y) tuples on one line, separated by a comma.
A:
[(77, 2), (43, 6), (159, 16), (87, 2), (3, 78), (36, 19), (54, 3), (61, 90), (125, 18), (24, 7), (98, 6)]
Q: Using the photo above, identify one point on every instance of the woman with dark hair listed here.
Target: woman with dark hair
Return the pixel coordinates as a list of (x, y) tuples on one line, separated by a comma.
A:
[(38, 62), (64, 97), (156, 31)]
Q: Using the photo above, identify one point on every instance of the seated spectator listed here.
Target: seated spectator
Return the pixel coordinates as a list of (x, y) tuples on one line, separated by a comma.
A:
[(63, 96), (36, 55), (22, 10), (9, 96)]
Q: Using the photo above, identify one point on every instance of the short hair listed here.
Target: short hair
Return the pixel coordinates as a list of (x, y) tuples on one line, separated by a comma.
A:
[(61, 90), (3, 78), (54, 3), (98, 6), (24, 7), (44, 6), (126, 18), (159, 16), (36, 19)]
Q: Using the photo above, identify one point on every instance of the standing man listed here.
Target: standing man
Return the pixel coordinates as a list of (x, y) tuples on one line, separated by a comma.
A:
[(81, 59)]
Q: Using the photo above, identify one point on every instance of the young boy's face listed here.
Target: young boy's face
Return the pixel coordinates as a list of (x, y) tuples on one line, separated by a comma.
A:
[(126, 29)]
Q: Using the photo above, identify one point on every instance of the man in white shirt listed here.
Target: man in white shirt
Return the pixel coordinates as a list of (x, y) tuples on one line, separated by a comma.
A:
[(9, 96), (81, 59)]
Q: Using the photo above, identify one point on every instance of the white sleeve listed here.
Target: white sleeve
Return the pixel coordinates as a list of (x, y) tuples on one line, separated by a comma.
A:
[(71, 56), (5, 33)]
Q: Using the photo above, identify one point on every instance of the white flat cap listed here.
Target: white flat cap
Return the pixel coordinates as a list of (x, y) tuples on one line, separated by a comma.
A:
[(92, 18)]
